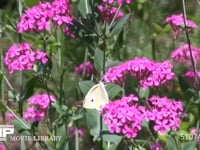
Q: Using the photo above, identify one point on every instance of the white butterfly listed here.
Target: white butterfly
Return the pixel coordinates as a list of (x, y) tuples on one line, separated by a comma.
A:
[(96, 97)]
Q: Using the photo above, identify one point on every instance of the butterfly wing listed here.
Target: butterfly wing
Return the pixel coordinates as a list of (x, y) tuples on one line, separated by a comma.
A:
[(96, 97)]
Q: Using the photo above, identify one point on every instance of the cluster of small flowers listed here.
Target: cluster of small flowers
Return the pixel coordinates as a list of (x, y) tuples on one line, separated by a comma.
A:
[(108, 13), (9, 118), (155, 146), (21, 57), (2, 146), (72, 131), (120, 2), (124, 116), (165, 113), (38, 18), (182, 54), (149, 73), (40, 104), (189, 76), (88, 69), (177, 23)]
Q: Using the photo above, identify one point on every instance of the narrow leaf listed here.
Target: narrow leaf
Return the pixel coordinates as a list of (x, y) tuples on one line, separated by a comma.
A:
[(98, 60)]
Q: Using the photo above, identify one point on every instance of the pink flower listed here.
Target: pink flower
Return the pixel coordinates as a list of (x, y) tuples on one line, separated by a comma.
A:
[(21, 57), (177, 23), (193, 131), (120, 2), (182, 54), (155, 146), (9, 118), (72, 131), (2, 146), (108, 13), (147, 72), (88, 69), (165, 113), (40, 104), (39, 17), (124, 116), (189, 76)]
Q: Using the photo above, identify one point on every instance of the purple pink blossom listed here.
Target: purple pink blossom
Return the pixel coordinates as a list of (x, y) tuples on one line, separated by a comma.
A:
[(120, 2), (165, 113), (2, 146), (147, 72), (108, 13), (88, 69), (182, 54), (39, 17), (21, 57), (9, 118), (155, 146), (124, 116), (177, 23), (189, 76), (72, 131), (39, 106)]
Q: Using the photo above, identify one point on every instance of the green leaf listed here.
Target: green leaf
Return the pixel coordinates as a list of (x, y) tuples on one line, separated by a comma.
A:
[(98, 60), (2, 106), (84, 7), (61, 131), (144, 93), (85, 86), (118, 25), (109, 146), (145, 123), (22, 145), (190, 145), (22, 126), (93, 121), (1, 76), (112, 138), (113, 90), (171, 143), (59, 108)]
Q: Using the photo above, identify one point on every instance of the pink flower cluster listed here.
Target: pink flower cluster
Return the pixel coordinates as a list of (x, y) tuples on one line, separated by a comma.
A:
[(189, 76), (22, 57), (155, 146), (39, 106), (124, 116), (120, 2), (39, 17), (9, 118), (182, 54), (149, 73), (108, 13), (177, 23), (2, 146), (88, 69), (72, 131), (165, 113)]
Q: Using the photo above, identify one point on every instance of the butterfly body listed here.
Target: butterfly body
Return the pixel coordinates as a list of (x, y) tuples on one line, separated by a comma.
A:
[(96, 97)]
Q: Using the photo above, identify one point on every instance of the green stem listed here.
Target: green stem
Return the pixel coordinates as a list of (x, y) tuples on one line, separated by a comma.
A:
[(84, 64), (149, 22), (21, 76), (196, 83), (189, 47), (76, 139)]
